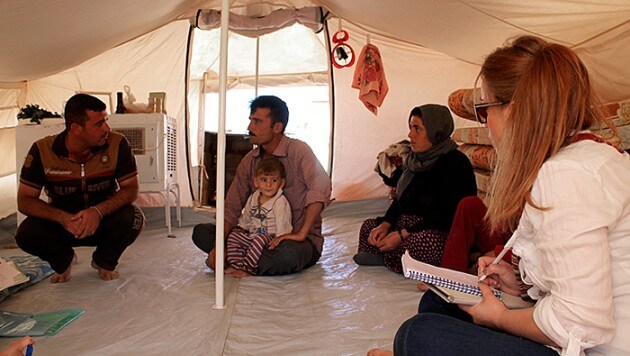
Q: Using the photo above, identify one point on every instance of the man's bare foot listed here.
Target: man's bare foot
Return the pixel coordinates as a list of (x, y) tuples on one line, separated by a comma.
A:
[(237, 273), (61, 278), (379, 352), (422, 287), (105, 274), (65, 276), (211, 261)]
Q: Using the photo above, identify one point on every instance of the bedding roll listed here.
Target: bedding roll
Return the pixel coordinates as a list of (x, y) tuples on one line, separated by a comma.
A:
[(462, 101)]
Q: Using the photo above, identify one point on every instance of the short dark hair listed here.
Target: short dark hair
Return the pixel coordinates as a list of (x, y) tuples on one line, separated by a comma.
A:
[(278, 110), (76, 107), (270, 166)]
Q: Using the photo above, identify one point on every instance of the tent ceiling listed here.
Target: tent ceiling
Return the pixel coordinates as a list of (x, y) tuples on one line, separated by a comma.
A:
[(470, 29), (40, 38)]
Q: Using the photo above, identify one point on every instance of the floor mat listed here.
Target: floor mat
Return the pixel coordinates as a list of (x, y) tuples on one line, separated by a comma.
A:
[(163, 302)]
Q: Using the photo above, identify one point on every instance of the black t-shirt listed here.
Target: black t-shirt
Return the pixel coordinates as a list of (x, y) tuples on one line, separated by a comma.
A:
[(73, 186)]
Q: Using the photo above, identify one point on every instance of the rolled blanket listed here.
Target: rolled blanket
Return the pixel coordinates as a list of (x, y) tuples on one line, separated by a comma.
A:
[(462, 101), (481, 156), (476, 135), (484, 180)]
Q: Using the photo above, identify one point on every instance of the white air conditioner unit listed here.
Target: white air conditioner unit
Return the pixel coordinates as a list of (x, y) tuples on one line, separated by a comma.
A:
[(27, 133), (153, 140)]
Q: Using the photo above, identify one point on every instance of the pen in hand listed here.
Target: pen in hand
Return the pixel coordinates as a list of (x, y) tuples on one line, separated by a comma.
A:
[(506, 248)]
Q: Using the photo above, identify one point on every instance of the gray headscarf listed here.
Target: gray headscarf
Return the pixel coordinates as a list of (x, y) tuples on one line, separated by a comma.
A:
[(438, 123)]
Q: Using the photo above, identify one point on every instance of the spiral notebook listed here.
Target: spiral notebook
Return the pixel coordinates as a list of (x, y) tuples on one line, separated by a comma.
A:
[(453, 286)]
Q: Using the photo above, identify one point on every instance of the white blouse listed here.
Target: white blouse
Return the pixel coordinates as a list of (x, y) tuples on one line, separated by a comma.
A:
[(576, 254)]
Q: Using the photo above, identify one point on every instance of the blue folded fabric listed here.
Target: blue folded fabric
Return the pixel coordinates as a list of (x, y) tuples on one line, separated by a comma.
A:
[(33, 267)]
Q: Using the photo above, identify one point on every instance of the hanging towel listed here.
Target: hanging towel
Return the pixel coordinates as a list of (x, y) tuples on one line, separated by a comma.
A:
[(369, 78)]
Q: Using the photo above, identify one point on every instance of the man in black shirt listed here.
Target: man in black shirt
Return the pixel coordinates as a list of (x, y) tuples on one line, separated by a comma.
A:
[(90, 175)]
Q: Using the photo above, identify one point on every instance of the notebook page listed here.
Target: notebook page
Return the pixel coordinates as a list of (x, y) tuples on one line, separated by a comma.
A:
[(455, 280), (409, 264)]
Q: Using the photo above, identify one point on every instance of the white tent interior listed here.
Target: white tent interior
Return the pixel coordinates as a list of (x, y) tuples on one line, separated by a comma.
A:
[(51, 50)]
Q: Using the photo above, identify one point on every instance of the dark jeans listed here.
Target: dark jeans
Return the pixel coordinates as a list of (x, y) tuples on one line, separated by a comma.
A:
[(52, 243), (289, 257), (441, 328)]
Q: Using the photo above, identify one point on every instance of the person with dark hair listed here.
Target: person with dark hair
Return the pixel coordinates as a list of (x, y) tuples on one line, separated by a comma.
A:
[(307, 189), (564, 192), (278, 110), (91, 178), (76, 109), (436, 176), (266, 215)]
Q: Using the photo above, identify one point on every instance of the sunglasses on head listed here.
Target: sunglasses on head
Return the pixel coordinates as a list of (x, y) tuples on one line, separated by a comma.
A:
[(481, 110)]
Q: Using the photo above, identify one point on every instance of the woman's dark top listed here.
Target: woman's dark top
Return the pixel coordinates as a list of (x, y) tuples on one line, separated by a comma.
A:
[(435, 193)]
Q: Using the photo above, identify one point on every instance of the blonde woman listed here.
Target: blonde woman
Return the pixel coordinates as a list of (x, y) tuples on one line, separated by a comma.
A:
[(566, 193)]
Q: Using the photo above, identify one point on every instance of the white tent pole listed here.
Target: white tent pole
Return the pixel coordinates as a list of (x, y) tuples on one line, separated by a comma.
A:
[(257, 65), (220, 245), (201, 137)]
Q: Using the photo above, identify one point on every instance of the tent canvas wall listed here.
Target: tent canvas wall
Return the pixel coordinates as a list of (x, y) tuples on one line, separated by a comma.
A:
[(49, 50)]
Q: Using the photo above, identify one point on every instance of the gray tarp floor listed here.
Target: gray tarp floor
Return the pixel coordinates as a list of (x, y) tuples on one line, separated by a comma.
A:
[(162, 303)]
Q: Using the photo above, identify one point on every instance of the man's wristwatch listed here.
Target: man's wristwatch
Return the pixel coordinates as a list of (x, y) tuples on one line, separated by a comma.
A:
[(400, 234)]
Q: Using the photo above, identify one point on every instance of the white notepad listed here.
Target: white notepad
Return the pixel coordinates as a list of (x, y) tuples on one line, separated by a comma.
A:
[(454, 286)]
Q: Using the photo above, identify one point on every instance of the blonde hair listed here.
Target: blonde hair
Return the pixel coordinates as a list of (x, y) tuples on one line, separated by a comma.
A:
[(551, 100)]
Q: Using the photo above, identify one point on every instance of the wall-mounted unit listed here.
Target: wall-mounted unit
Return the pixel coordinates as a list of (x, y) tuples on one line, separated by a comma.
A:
[(153, 139)]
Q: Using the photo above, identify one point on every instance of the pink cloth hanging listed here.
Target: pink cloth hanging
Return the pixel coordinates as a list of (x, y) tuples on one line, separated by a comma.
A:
[(369, 78)]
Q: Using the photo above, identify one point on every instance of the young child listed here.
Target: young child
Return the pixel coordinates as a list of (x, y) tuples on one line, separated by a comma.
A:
[(266, 214)]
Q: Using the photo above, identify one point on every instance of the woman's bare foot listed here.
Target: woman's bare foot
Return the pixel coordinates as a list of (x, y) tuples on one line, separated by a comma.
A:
[(17, 348), (422, 287), (105, 274), (65, 276), (379, 352)]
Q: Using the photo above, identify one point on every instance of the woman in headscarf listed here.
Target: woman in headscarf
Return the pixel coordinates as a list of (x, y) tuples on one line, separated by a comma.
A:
[(435, 178)]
